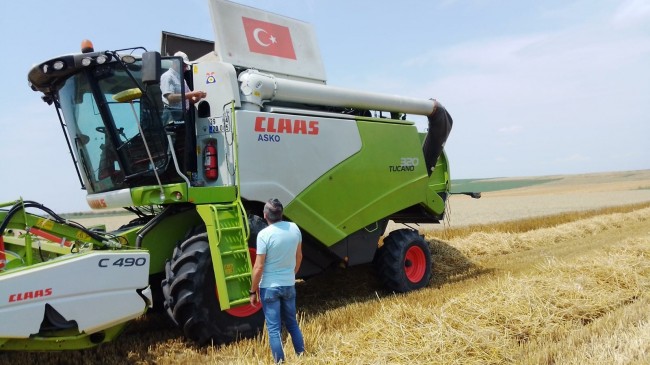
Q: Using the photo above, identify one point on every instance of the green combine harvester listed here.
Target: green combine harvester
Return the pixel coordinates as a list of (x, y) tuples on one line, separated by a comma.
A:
[(344, 163)]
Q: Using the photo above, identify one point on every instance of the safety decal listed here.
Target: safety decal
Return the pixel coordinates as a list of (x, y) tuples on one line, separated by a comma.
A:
[(45, 223), (209, 78)]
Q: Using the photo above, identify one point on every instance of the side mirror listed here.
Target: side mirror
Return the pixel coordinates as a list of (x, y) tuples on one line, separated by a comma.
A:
[(151, 68)]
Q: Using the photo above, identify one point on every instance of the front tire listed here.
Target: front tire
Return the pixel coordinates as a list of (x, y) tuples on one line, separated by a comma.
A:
[(191, 298), (404, 261)]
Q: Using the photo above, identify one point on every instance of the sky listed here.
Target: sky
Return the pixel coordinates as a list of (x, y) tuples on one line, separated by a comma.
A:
[(535, 88)]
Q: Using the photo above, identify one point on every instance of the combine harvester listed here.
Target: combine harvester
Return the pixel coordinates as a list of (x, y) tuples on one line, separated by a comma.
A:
[(197, 179)]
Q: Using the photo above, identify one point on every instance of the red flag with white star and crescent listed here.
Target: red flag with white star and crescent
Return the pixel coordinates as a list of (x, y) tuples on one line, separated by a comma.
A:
[(268, 38)]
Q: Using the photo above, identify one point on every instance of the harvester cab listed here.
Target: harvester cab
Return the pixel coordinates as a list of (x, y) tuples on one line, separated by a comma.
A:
[(118, 127), (196, 173)]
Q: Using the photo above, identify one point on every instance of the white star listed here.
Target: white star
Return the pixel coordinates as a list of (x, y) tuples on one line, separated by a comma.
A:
[(273, 40)]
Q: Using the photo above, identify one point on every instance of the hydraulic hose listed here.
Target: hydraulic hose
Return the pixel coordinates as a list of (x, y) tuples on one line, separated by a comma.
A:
[(31, 204)]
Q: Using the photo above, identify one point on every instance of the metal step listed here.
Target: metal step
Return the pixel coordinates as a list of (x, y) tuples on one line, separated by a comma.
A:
[(229, 249)]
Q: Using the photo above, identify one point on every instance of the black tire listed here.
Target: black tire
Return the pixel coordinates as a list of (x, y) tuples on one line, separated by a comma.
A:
[(404, 261), (191, 300), (256, 224)]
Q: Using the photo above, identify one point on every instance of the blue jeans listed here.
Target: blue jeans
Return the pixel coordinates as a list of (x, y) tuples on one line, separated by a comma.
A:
[(279, 305)]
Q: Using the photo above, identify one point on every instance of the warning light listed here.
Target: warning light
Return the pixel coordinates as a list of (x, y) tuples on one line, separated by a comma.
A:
[(87, 46)]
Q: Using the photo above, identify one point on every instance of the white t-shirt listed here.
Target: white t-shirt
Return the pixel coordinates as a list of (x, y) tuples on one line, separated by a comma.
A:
[(170, 83), (279, 243)]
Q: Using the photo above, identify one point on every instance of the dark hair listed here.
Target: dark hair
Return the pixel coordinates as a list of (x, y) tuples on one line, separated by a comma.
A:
[(273, 210)]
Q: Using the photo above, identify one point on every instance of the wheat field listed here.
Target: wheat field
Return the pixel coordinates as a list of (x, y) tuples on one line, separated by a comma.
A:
[(542, 283)]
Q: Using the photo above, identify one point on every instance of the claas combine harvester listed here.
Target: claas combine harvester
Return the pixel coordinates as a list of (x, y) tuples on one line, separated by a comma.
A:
[(343, 162)]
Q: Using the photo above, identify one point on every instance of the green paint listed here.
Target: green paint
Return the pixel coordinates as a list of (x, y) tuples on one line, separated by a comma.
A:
[(150, 195), (207, 195), (62, 340), (161, 240), (370, 185)]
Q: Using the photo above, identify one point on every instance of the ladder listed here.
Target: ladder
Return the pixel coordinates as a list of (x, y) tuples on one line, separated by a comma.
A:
[(228, 233)]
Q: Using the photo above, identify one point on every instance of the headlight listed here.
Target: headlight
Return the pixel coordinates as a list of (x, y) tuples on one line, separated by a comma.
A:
[(86, 61), (58, 65), (101, 59), (128, 59)]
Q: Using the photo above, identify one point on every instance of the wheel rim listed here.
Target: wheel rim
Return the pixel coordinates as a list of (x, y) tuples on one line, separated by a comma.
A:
[(244, 310), (415, 264)]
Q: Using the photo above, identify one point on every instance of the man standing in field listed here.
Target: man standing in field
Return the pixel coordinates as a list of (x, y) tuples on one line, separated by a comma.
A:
[(279, 253)]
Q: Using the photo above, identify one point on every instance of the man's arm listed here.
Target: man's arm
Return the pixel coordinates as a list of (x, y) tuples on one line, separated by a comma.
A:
[(298, 257), (258, 269), (192, 96)]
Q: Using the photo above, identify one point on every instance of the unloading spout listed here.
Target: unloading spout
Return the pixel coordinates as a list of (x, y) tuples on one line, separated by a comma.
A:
[(440, 124)]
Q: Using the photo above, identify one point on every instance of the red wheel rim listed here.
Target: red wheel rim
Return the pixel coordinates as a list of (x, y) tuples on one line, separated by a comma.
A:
[(415, 264), (244, 310)]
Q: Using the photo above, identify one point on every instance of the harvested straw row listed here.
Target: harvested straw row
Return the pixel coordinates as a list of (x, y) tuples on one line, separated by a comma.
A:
[(530, 223), (495, 322), (499, 243), (620, 337)]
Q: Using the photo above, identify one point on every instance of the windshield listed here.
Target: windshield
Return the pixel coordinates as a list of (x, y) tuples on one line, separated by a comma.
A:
[(109, 136)]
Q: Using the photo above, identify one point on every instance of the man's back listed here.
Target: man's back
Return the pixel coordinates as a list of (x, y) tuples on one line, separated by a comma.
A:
[(279, 243)]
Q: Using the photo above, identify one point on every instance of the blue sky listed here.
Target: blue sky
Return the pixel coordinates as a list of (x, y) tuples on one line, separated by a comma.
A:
[(535, 87)]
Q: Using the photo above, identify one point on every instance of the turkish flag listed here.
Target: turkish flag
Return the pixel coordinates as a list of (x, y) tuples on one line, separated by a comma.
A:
[(268, 38)]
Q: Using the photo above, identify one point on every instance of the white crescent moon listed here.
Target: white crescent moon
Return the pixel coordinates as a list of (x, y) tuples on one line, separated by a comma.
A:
[(256, 35)]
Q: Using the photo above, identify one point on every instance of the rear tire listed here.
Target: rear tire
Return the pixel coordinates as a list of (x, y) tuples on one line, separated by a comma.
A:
[(191, 298), (404, 261)]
